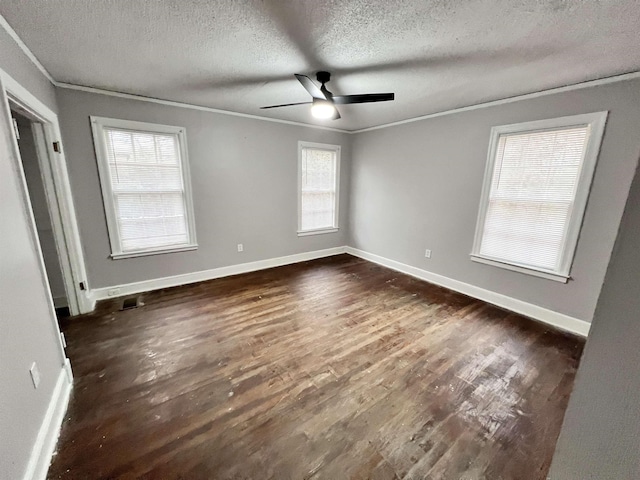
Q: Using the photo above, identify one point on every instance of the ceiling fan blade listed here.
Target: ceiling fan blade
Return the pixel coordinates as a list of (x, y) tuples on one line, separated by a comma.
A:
[(310, 87), (364, 98), (286, 105)]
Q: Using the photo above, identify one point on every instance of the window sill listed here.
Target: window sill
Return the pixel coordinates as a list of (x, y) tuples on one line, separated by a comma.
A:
[(557, 277), (320, 231), (144, 253)]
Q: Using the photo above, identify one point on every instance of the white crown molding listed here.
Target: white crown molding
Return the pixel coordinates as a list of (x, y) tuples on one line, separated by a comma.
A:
[(12, 33), (555, 319), (201, 276), (171, 103), (49, 431), (493, 103)]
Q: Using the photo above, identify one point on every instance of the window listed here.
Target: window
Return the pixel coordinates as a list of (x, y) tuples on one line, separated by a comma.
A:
[(318, 179), (535, 193), (144, 176)]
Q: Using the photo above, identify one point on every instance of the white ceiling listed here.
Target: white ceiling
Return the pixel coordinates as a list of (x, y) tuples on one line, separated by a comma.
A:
[(239, 55)]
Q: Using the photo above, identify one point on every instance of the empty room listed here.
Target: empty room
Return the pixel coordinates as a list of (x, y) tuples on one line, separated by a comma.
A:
[(278, 239)]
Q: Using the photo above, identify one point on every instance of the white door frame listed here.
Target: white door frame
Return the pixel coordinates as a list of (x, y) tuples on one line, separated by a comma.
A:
[(53, 167)]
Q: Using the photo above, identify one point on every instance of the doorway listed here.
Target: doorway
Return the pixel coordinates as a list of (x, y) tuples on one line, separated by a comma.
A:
[(27, 131), (46, 194)]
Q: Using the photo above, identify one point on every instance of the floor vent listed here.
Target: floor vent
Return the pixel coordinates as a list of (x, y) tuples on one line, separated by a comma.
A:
[(131, 302)]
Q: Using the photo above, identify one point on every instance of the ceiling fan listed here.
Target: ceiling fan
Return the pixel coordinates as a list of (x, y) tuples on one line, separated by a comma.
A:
[(323, 104)]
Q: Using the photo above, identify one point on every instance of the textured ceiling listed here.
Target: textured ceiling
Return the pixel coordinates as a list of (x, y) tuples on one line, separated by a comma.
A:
[(239, 55)]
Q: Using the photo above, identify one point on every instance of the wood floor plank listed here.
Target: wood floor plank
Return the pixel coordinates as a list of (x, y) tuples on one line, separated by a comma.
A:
[(330, 369)]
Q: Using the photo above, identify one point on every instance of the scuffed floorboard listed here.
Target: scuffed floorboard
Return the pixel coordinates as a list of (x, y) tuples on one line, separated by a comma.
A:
[(330, 369)]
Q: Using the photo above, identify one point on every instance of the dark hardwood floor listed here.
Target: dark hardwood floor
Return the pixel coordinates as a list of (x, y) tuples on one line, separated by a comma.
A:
[(330, 369)]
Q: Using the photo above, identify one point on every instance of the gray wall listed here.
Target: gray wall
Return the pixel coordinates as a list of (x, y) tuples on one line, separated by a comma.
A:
[(244, 178), (417, 186), (17, 64), (600, 437), (28, 329), (40, 209)]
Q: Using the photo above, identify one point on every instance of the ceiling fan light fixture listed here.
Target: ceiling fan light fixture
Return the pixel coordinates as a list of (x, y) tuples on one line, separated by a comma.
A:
[(322, 109), (324, 102)]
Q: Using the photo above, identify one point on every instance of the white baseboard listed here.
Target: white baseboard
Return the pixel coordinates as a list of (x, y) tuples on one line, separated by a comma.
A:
[(50, 429), (87, 302), (558, 320), (184, 279)]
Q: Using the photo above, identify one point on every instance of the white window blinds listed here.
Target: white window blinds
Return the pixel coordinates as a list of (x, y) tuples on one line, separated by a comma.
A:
[(318, 188), (146, 186), (528, 216)]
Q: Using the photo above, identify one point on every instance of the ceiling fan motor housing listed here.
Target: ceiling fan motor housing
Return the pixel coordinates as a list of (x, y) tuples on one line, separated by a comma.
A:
[(323, 77)]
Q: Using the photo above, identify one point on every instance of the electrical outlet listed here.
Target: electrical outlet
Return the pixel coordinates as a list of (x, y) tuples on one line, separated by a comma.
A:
[(113, 292), (240, 247), (427, 253), (35, 375)]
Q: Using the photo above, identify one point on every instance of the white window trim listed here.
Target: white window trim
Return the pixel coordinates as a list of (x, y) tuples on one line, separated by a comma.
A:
[(97, 126), (596, 121), (319, 146)]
